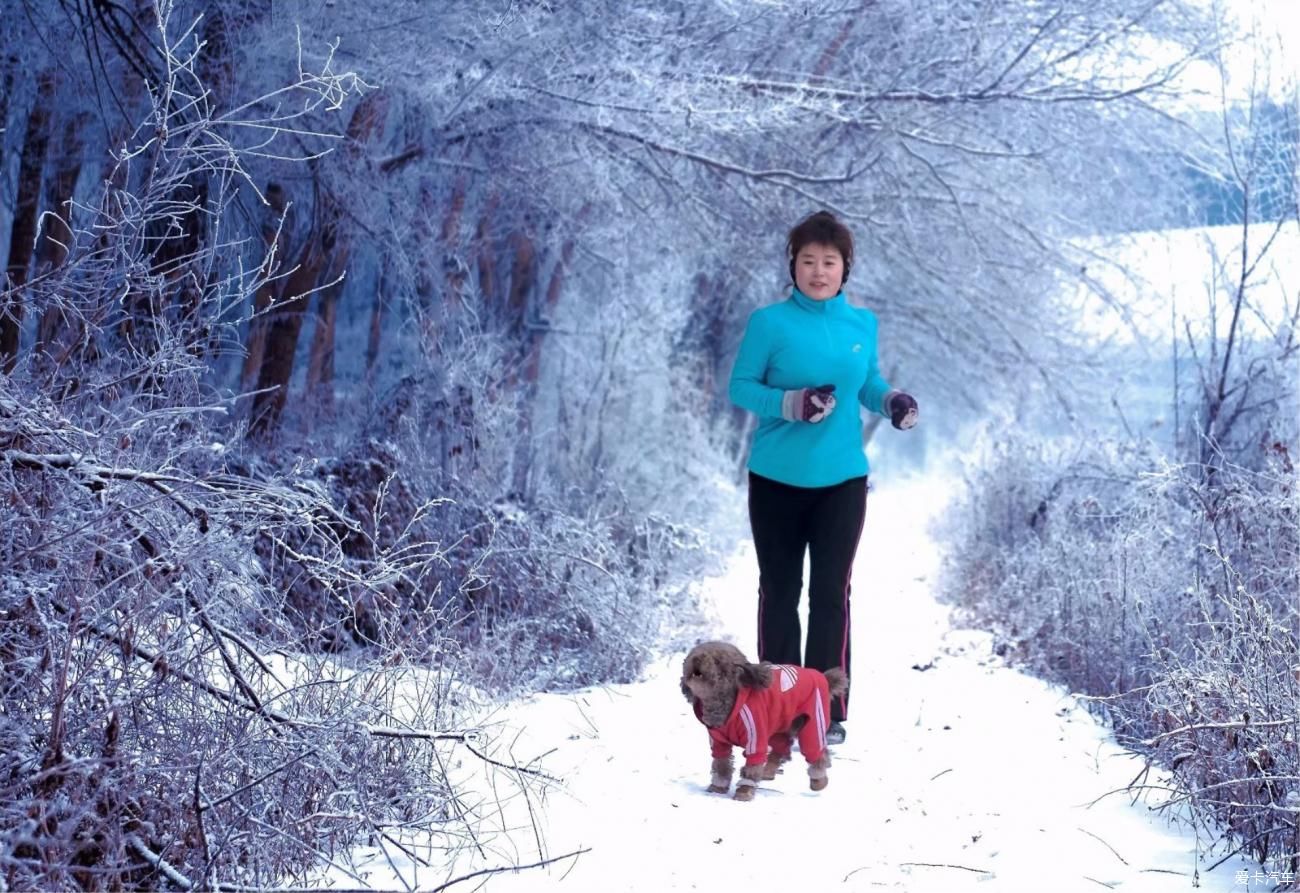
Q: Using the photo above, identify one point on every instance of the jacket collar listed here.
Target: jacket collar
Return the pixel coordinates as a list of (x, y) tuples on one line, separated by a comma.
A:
[(830, 305)]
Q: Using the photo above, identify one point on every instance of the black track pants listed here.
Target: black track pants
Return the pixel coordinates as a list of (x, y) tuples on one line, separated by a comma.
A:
[(825, 522)]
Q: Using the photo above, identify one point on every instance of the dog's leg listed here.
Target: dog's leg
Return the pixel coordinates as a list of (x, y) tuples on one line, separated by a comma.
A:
[(749, 778), (722, 770), (817, 779), (777, 756), (773, 766)]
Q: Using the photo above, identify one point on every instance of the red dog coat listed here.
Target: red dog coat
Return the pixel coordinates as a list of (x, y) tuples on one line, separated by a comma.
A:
[(762, 716)]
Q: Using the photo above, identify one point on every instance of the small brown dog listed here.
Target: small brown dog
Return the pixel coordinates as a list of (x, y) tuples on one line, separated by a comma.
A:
[(759, 707)]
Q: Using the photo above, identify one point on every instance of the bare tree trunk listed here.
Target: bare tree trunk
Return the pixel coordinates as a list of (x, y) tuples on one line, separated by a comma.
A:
[(367, 120), (216, 66), (216, 61), (327, 246), (425, 274), (834, 48), (515, 316), (320, 360), (376, 330), (275, 238), (285, 324), (435, 307), (533, 361), (523, 282), (172, 242), (534, 333), (450, 242), (56, 234), (485, 256), (112, 177), (23, 236), (10, 65)]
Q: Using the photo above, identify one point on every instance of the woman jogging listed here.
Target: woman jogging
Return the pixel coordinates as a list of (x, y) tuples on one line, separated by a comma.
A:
[(804, 366)]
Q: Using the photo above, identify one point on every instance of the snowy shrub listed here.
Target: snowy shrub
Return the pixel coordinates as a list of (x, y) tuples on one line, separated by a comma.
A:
[(553, 581), (1223, 703), (158, 728), (1167, 595), (1040, 552)]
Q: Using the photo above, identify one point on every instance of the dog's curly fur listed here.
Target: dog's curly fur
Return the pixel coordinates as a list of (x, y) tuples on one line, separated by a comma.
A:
[(712, 675)]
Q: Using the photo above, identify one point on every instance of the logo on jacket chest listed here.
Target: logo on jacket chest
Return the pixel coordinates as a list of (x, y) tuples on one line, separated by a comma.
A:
[(787, 676)]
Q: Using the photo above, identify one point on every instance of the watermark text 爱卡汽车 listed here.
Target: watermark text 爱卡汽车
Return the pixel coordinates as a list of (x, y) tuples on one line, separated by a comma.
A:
[(1261, 877)]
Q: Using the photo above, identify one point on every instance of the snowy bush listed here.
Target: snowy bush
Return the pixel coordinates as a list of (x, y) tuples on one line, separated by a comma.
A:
[(1168, 596), (1035, 551), (159, 726), (549, 579), (1226, 679)]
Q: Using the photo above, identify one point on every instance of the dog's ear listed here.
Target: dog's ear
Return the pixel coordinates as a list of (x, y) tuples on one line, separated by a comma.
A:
[(837, 681), (756, 675)]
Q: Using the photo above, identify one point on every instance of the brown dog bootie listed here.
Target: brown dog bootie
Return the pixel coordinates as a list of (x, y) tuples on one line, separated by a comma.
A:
[(817, 779)]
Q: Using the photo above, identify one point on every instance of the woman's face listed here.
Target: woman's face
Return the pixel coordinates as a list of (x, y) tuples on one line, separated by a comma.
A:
[(819, 271)]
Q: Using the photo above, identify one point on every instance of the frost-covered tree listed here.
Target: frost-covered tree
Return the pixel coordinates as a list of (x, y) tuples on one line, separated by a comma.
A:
[(1162, 577), (168, 713), (962, 140)]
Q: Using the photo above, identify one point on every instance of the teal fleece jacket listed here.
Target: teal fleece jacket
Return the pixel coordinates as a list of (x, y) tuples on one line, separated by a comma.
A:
[(802, 343)]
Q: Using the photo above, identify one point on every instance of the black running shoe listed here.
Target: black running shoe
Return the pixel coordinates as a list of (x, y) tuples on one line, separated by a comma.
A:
[(835, 734)]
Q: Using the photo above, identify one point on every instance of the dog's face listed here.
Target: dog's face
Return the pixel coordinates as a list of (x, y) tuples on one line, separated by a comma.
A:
[(712, 674)]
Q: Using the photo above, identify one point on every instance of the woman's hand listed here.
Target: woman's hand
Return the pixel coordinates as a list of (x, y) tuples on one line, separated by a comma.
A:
[(808, 404), (902, 409)]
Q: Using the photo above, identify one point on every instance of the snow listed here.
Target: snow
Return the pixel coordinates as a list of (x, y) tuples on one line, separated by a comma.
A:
[(958, 772)]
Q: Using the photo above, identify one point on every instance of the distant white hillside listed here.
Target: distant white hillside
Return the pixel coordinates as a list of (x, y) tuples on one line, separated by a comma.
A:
[(1139, 283)]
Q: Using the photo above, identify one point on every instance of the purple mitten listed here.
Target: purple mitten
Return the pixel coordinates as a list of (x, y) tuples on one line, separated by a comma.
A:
[(902, 409), (808, 404)]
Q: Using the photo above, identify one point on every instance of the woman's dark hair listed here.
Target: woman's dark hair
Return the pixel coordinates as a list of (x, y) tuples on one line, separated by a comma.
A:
[(821, 228)]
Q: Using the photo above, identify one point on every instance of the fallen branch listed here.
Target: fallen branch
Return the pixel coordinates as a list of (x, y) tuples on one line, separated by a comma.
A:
[(135, 843), (511, 868), (204, 804), (231, 665), (1105, 844), (1241, 849), (98, 474), (1152, 742), (945, 865), (513, 768), (141, 653)]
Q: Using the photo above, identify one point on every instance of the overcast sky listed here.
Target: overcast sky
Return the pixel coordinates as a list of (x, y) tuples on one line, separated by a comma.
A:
[(1278, 22)]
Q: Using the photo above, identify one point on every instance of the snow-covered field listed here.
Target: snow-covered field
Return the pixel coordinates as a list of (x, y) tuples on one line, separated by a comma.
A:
[(1159, 278), (958, 772)]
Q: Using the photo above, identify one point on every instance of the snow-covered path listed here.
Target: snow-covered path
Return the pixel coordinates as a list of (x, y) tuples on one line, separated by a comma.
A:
[(958, 773)]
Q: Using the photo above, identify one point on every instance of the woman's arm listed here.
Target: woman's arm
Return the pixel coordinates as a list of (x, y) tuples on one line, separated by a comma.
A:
[(747, 389), (875, 388)]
